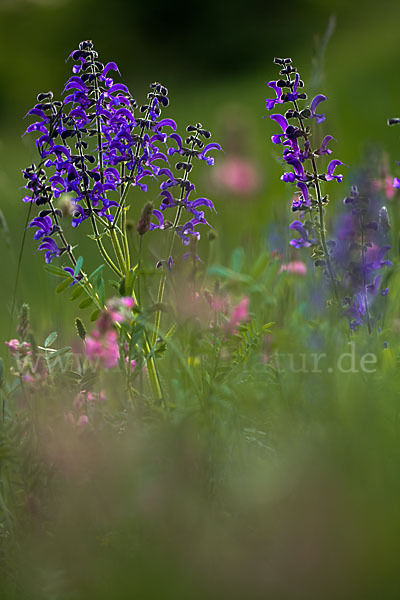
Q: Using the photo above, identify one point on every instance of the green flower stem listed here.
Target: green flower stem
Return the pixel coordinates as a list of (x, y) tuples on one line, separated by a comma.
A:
[(322, 229), (118, 252), (125, 243), (151, 365), (161, 287), (126, 188)]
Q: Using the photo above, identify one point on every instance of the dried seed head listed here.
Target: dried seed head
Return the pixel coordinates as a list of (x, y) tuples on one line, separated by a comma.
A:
[(144, 222)]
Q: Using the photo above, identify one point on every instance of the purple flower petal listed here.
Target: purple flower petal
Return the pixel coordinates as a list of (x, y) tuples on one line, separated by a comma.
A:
[(313, 107), (111, 66), (282, 122), (331, 168)]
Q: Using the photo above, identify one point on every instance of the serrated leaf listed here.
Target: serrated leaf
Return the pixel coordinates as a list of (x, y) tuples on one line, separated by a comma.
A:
[(78, 266), (50, 339), (85, 303)]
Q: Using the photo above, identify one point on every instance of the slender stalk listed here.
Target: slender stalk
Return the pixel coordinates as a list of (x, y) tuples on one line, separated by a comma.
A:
[(125, 191), (363, 274), (118, 251), (322, 229), (161, 287), (125, 243), (99, 243), (139, 266)]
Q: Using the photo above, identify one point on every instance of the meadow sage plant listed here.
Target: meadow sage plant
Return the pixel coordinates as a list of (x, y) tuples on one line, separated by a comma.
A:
[(95, 144), (302, 159), (359, 253), (354, 260)]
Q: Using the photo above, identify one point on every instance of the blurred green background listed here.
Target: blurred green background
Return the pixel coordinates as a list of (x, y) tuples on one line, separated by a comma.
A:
[(312, 509), (214, 57)]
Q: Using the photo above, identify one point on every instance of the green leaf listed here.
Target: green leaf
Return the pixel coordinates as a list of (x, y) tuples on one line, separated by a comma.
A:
[(88, 379), (225, 273), (60, 352), (63, 285), (237, 259), (71, 375), (78, 266), (127, 282), (77, 292), (53, 270), (99, 288), (95, 272), (50, 339), (85, 303), (260, 265), (95, 315)]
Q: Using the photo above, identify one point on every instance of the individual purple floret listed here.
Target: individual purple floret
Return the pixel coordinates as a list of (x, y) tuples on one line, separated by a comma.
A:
[(303, 241)]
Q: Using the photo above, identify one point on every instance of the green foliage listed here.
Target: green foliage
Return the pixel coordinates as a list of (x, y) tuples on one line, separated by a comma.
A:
[(249, 336), (50, 339), (80, 328), (78, 266)]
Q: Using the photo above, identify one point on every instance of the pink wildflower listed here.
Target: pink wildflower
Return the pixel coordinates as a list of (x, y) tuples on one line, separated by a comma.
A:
[(93, 397), (128, 302), (79, 400), (297, 267), (82, 421), (103, 348), (133, 364), (239, 314), (237, 175), (17, 347)]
